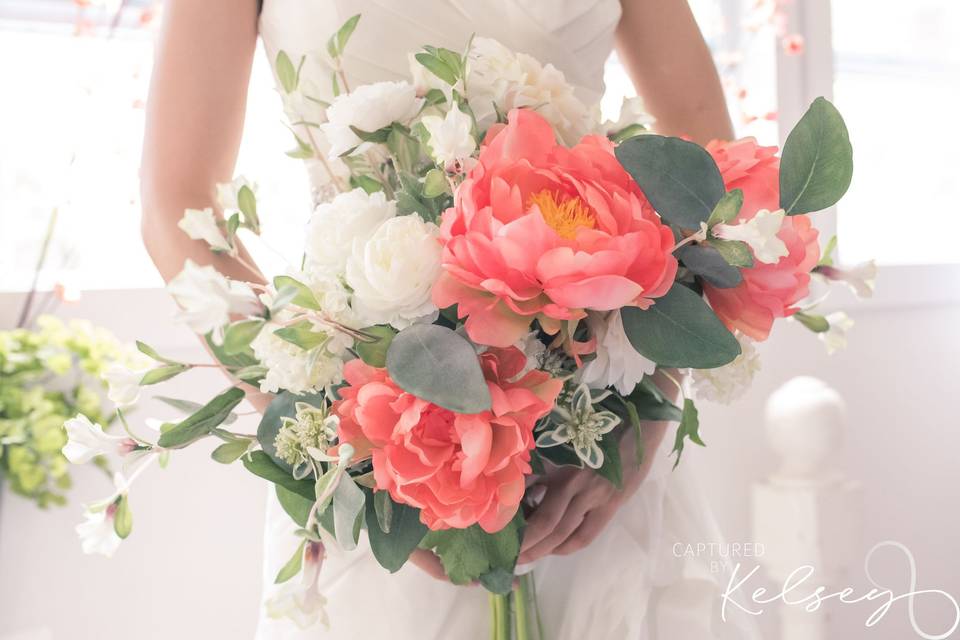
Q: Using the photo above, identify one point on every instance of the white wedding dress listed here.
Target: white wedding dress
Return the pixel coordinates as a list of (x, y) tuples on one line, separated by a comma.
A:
[(628, 584)]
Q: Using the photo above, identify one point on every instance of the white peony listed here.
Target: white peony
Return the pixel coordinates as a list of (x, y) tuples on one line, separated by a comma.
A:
[(835, 338), (124, 384), (227, 193), (207, 298), (727, 383), (335, 226), (760, 233), (96, 532), (297, 370), (200, 224), (450, 137), (369, 107), (617, 364), (86, 440), (393, 273)]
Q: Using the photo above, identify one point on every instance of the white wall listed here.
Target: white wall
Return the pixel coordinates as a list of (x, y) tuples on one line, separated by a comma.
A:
[(192, 566)]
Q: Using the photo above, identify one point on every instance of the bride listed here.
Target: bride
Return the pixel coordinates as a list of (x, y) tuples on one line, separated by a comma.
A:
[(603, 559)]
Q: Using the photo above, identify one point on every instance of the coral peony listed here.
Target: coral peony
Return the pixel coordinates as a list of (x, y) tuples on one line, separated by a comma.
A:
[(457, 469), (540, 231), (768, 291)]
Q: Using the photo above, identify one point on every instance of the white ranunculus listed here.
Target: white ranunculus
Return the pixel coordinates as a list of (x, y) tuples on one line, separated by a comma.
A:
[(86, 440), (369, 107), (861, 278), (294, 369), (299, 599), (207, 298), (617, 364), (760, 233), (227, 192), (200, 224), (335, 226), (124, 384), (393, 272), (727, 383), (96, 532), (835, 338), (632, 111), (450, 137)]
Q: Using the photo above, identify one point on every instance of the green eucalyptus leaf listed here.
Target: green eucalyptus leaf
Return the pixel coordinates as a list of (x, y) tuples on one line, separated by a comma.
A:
[(727, 209), (816, 165), (160, 374), (393, 547), (383, 505), (438, 365), (202, 422), (374, 352), (680, 330), (295, 505), (303, 298), (292, 566), (239, 335), (259, 464), (286, 72), (679, 178), (735, 252), (708, 263)]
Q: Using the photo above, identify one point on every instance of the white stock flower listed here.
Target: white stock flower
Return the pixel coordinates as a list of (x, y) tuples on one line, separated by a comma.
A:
[(300, 600), (86, 440), (617, 364), (297, 370), (200, 224), (835, 338), (450, 137), (369, 107), (861, 278), (207, 298), (760, 232), (336, 225), (632, 111), (393, 273), (227, 192), (124, 384), (727, 383), (96, 532)]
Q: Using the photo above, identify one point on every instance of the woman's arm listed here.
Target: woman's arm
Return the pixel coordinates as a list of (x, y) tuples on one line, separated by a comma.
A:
[(668, 61), (194, 121)]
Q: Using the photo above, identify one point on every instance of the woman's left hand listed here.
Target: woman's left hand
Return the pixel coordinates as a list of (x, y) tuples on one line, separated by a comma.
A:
[(579, 503)]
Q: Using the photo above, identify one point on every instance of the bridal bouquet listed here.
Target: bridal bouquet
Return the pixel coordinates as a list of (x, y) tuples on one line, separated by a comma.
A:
[(491, 279)]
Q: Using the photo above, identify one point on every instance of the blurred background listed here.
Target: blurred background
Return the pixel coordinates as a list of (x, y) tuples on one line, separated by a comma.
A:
[(75, 74)]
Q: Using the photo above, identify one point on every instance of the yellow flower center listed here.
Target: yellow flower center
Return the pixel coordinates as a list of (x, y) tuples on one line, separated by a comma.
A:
[(563, 214)]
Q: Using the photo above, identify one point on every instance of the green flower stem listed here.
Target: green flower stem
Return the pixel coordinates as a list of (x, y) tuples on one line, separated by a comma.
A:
[(500, 616), (528, 625)]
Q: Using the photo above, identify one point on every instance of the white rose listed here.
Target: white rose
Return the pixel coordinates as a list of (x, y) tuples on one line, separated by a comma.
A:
[(727, 383), (450, 136), (760, 233), (336, 225), (201, 225), (393, 272), (227, 192), (369, 107), (207, 298), (835, 338), (86, 440), (617, 364)]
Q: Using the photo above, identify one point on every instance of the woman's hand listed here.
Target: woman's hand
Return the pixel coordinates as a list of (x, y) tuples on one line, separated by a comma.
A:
[(579, 503)]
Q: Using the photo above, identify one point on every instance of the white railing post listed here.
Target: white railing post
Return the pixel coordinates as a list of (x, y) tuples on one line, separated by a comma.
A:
[(806, 514)]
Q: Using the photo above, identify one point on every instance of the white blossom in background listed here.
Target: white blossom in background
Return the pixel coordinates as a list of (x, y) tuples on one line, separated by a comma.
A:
[(450, 137), (335, 226), (369, 107), (424, 80), (200, 224), (299, 599), (207, 298), (227, 197), (298, 370), (727, 383), (760, 233), (617, 364), (87, 440), (860, 278), (393, 272), (632, 111), (835, 338), (96, 532), (123, 384)]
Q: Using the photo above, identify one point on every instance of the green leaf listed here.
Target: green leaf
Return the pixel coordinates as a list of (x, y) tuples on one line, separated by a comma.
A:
[(816, 165), (242, 359), (435, 184), (611, 469), (252, 374), (689, 428), (259, 464), (286, 72), (229, 452), (404, 148), (679, 178), (302, 335), (826, 257), (149, 351), (816, 323), (374, 352), (239, 335), (282, 406), (438, 365), (377, 137), (366, 183), (469, 553), (708, 263), (203, 421), (651, 405), (348, 503), (628, 132), (188, 406), (735, 252), (247, 202), (295, 505), (293, 565), (123, 518), (437, 67), (338, 41), (304, 297), (727, 209), (383, 505), (162, 373), (680, 330), (497, 581), (392, 548), (562, 456)]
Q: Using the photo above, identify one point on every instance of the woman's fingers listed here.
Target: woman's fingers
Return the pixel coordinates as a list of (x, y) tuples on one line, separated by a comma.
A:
[(565, 526), (546, 516), (594, 522), (430, 563)]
